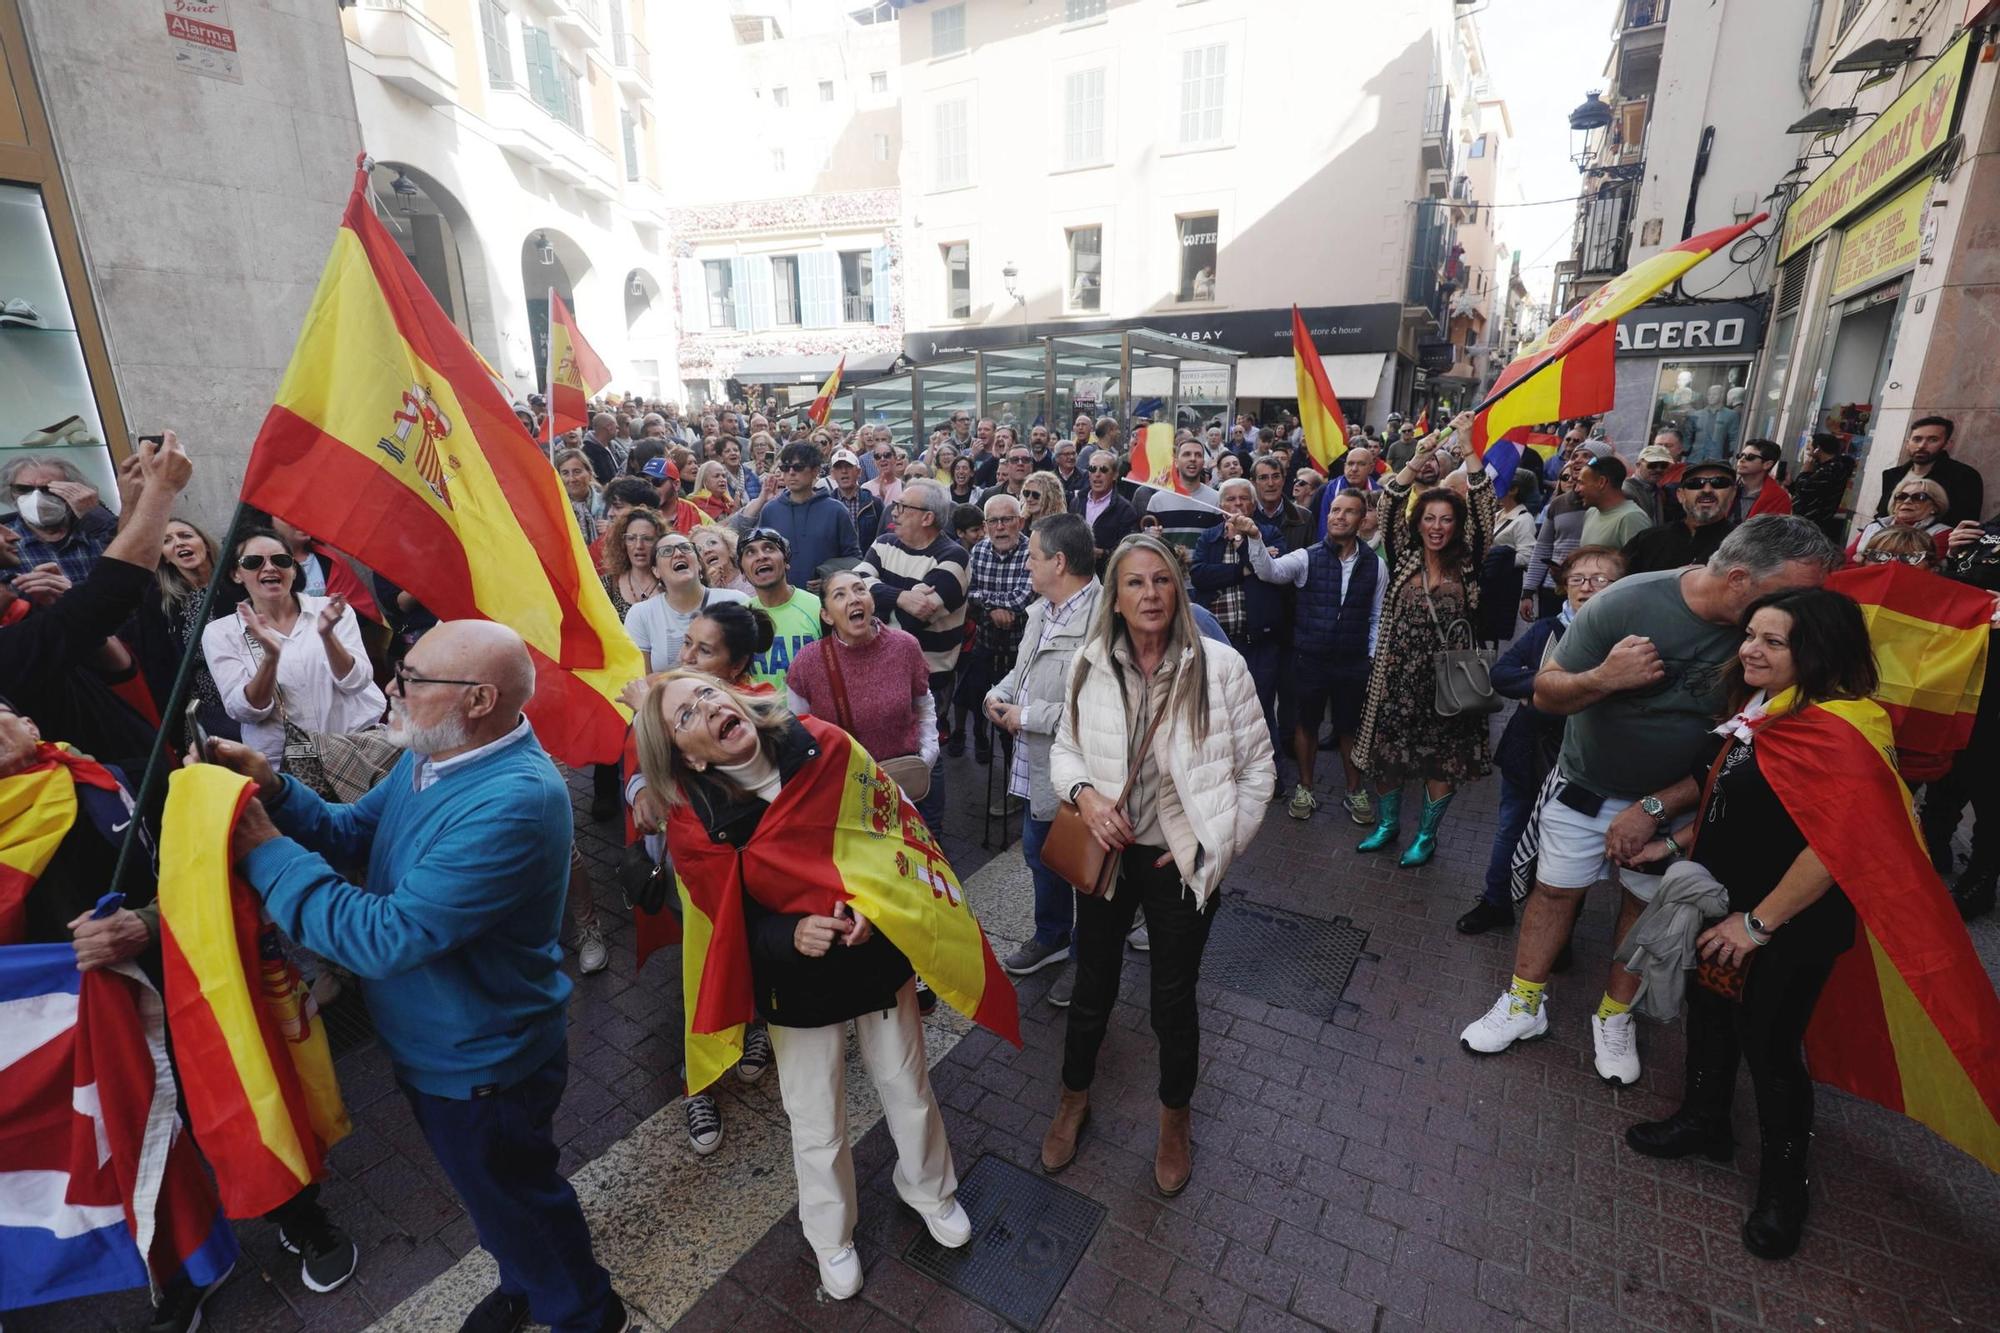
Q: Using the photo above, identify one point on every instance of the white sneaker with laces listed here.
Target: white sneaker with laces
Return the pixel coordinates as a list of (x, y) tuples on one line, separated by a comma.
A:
[(1507, 1022), (840, 1273), (950, 1228), (1617, 1046), (592, 954)]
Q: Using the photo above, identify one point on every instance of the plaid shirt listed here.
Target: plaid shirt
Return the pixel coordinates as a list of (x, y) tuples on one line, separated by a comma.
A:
[(77, 553), (1000, 583), (1227, 606)]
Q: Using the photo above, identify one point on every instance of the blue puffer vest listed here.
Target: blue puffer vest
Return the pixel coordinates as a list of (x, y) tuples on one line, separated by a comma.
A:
[(1326, 624)]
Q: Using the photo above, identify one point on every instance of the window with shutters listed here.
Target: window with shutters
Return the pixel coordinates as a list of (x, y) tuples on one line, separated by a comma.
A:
[(628, 130), (857, 286), (1086, 268), (957, 256), (499, 55), (951, 145), (1083, 118), (947, 31), (1203, 74), (721, 293), (570, 111), (785, 288)]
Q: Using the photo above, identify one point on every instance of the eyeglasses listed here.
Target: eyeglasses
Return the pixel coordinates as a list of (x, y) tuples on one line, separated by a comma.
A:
[(1707, 483), (1891, 558), (705, 697), (256, 562), (406, 678), (1021, 458), (1588, 581)]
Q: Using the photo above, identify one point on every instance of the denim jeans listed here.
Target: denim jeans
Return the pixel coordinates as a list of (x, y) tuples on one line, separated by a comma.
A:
[(1263, 658), (1517, 803), (1055, 900)]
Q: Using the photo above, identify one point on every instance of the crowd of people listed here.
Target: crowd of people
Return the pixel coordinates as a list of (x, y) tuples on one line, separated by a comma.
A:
[(999, 586)]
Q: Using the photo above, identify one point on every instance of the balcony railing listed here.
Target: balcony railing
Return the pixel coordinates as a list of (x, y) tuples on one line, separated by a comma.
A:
[(631, 54), (1430, 241), (1437, 126), (1602, 230)]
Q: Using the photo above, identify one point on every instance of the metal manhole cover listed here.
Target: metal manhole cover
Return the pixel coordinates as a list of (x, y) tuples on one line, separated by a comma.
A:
[(1283, 958), (1027, 1235)]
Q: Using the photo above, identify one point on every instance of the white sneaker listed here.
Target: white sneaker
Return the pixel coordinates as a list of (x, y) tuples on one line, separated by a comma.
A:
[(704, 1124), (840, 1273), (1139, 940), (950, 1228), (592, 955), (1504, 1024), (1617, 1048)]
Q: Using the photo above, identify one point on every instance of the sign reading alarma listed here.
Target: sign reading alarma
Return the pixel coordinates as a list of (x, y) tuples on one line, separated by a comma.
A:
[(202, 38)]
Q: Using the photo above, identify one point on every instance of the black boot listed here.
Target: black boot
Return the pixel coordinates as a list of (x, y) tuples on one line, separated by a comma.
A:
[(1778, 1221), (1701, 1125), (1486, 916), (1974, 892)]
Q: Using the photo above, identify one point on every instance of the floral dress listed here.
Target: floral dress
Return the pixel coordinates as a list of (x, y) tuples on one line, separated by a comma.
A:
[(1402, 736)]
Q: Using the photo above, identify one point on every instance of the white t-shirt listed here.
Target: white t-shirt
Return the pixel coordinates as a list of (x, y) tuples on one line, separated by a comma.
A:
[(659, 630)]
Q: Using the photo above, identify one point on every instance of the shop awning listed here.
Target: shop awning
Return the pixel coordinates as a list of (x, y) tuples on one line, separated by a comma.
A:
[(1352, 375), (805, 369)]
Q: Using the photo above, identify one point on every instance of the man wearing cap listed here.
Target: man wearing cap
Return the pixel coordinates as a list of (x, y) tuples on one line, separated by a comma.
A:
[(681, 517), (1707, 495), (863, 506), (816, 524), (1614, 519), (1648, 486)]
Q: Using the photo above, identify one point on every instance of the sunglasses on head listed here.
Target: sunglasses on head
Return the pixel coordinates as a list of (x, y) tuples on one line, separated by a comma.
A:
[(256, 562), (1706, 483)]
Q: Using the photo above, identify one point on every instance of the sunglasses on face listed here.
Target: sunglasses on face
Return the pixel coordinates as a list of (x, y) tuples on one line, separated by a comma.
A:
[(1751, 456), (256, 562), (793, 467), (1036, 495), (1914, 497), (1706, 484), (882, 458)]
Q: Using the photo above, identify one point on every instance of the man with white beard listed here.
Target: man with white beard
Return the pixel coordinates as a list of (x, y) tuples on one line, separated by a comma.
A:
[(454, 937)]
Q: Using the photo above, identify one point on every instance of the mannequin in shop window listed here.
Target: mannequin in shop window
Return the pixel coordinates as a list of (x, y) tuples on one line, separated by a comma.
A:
[(1715, 427)]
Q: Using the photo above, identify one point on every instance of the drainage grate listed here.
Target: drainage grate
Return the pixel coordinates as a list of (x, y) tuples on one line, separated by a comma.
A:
[(1027, 1235), (348, 1026), (1295, 962)]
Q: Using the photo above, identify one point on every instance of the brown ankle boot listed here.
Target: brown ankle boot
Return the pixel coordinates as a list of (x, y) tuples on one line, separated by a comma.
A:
[(1173, 1161), (1059, 1144)]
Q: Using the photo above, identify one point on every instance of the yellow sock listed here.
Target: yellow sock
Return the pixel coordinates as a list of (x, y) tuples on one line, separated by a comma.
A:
[(1528, 994), (1610, 1008)]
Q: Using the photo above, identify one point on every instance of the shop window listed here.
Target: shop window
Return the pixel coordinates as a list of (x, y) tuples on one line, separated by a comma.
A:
[(1086, 264), (957, 279), (1704, 401), (1197, 234)]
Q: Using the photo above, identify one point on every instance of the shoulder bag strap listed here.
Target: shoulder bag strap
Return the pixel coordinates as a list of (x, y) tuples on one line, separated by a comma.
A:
[(1708, 790), (842, 712), (1145, 744)]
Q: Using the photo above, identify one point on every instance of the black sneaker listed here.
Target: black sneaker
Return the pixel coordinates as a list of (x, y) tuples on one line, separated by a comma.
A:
[(1485, 916), (327, 1255), (497, 1313), (179, 1310), (616, 1318), (926, 997), (956, 745)]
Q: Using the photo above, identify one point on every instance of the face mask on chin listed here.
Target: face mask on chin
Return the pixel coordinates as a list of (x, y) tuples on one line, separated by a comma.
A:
[(44, 510)]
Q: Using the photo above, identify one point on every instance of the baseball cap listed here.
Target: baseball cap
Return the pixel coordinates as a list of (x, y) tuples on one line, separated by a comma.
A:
[(845, 456), (1656, 453), (660, 469), (1596, 449)]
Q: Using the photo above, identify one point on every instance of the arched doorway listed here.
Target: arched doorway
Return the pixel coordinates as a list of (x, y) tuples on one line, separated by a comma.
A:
[(550, 260), (437, 237)]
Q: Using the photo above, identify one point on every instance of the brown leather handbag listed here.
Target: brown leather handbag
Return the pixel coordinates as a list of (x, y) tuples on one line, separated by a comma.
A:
[(1071, 850), (1724, 979)]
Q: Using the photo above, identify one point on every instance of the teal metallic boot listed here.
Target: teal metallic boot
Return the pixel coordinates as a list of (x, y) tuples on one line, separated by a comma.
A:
[(1425, 843), (1388, 814)]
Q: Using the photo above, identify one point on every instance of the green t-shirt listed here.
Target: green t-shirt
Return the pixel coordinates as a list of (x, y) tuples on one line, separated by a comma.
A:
[(798, 624), (1640, 741), (1615, 527)]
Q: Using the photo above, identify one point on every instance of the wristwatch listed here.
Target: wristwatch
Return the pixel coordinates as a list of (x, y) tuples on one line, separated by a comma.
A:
[(1655, 807), (1758, 927), (1074, 790)]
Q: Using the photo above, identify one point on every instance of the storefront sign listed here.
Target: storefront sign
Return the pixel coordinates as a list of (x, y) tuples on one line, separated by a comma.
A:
[(1914, 124), (202, 38), (1203, 383), (1884, 242), (1334, 329), (1716, 326)]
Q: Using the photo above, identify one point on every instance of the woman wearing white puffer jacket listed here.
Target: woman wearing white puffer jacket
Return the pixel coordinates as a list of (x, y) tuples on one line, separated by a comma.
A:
[(1199, 795)]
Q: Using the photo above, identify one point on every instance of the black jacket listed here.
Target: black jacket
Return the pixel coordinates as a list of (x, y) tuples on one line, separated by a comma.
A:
[(793, 990), (1963, 486), (44, 667), (1118, 521), (602, 465)]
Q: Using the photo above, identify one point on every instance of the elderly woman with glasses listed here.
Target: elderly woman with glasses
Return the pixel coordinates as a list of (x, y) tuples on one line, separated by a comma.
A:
[(1918, 504)]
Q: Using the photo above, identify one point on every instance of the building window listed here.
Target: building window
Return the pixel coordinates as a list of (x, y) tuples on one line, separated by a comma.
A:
[(857, 286), (878, 82), (1849, 11), (1076, 11), (1083, 118), (777, 159), (499, 56), (1086, 268), (721, 293), (1197, 237), (947, 31), (957, 279), (572, 95), (881, 148), (951, 145), (1202, 73), (826, 90), (781, 96), (1478, 148), (628, 130), (785, 288)]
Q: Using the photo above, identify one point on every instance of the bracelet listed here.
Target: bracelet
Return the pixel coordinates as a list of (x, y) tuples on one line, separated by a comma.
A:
[(1674, 848), (1759, 940)]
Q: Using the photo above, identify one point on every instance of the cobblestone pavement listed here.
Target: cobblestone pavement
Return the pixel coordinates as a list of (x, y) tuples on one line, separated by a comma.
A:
[(1358, 1173)]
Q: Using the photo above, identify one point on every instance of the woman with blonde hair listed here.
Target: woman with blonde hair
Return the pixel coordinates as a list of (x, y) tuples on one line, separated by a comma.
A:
[(164, 625), (712, 494), (1917, 503), (1042, 494), (1163, 750), (715, 546)]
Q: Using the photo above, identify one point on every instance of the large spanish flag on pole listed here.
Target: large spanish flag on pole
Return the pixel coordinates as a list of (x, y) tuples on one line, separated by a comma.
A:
[(1908, 1018), (255, 1066), (575, 371), (1931, 637), (390, 440), (1567, 372), (1319, 411), (822, 403), (840, 832), (1152, 462)]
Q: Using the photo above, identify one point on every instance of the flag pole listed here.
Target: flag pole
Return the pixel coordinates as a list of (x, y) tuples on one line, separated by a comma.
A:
[(155, 772), (549, 379)]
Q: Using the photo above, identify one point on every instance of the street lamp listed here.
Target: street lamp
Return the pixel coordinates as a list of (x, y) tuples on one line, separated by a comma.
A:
[(405, 191), (1592, 115), (544, 248), (1008, 275)]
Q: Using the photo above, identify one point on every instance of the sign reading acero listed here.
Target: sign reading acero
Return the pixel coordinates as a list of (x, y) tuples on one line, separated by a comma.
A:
[(1914, 124)]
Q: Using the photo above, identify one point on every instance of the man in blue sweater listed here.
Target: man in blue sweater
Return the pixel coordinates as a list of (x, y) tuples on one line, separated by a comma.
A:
[(467, 848), (816, 524)]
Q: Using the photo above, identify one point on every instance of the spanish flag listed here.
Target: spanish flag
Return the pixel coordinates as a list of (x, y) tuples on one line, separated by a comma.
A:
[(1152, 462), (255, 1066), (840, 832), (822, 404), (37, 809), (1908, 1018), (575, 371), (1319, 410), (389, 437), (1931, 637), (1567, 372)]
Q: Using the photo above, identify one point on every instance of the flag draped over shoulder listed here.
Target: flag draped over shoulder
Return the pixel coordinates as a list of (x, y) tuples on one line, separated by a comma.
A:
[(253, 1055), (37, 809), (390, 439), (100, 1188), (1567, 372), (1152, 462), (840, 832), (1931, 637), (576, 373), (822, 403), (1908, 1018), (1319, 410)]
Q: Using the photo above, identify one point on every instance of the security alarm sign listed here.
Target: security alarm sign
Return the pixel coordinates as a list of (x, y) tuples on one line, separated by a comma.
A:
[(202, 39)]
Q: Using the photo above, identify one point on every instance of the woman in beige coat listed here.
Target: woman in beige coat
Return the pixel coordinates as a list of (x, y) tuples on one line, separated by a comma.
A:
[(1197, 799)]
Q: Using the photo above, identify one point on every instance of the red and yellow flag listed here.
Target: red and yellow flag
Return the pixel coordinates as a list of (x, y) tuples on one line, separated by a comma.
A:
[(38, 806), (840, 832), (1319, 410), (390, 439), (575, 371), (1908, 1019), (1423, 423), (253, 1056), (1152, 462), (1567, 372), (1931, 637), (822, 403)]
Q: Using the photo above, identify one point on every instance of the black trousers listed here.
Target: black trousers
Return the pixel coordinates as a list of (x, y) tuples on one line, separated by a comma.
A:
[(1766, 1030), (1974, 777), (1178, 934)]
